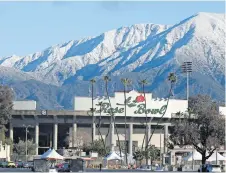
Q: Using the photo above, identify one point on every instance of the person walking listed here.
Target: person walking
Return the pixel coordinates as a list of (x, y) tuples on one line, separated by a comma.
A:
[(100, 167)]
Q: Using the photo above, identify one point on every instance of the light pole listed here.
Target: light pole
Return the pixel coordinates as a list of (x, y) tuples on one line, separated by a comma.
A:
[(187, 68), (26, 128), (161, 156)]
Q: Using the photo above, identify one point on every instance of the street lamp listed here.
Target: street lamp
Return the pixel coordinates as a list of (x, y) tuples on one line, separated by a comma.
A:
[(26, 128), (187, 68)]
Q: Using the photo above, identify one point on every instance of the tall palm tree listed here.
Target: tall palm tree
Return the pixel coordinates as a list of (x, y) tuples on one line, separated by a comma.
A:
[(92, 81), (125, 82), (99, 125), (112, 118), (172, 79), (143, 83)]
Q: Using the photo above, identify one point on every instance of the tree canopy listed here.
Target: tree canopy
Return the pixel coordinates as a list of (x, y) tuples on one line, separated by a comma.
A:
[(6, 104), (20, 147), (202, 127), (96, 146)]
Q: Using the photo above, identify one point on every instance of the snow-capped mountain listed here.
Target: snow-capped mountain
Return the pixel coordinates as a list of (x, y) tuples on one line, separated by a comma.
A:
[(59, 62), (138, 51)]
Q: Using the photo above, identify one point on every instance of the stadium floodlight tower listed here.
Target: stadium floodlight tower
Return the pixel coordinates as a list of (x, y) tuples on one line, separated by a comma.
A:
[(186, 67)]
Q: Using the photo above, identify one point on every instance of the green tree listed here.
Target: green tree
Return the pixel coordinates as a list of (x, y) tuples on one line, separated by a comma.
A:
[(20, 147), (96, 146), (202, 127), (172, 79), (151, 152), (139, 155), (125, 82), (99, 125), (6, 104)]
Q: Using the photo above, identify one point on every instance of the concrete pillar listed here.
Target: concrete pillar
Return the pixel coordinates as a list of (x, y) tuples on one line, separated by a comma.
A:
[(50, 139), (94, 131), (11, 131), (130, 139), (55, 135), (112, 134), (165, 137), (148, 135), (36, 138), (172, 158), (70, 141), (74, 134), (147, 143)]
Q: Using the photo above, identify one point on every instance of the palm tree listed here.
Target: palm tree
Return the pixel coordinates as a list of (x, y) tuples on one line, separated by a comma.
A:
[(92, 81), (125, 82), (143, 83), (99, 125), (172, 79), (112, 119)]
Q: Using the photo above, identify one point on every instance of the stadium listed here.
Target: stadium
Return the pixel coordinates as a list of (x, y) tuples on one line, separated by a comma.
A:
[(51, 128)]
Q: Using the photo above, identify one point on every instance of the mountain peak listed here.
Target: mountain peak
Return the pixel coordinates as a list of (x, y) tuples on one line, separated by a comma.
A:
[(140, 51)]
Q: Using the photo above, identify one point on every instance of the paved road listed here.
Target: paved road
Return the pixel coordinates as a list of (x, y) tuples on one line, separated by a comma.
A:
[(87, 170), (14, 170)]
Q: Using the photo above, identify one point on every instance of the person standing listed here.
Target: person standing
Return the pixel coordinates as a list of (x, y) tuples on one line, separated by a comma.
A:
[(100, 167)]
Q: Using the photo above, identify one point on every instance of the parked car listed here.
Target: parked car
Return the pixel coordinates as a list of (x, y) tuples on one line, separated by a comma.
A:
[(19, 164), (216, 168), (145, 167), (3, 164), (11, 164), (211, 168), (30, 165), (60, 165), (25, 165), (65, 168)]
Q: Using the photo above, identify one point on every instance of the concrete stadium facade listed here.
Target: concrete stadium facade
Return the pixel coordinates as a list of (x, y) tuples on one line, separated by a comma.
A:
[(49, 128)]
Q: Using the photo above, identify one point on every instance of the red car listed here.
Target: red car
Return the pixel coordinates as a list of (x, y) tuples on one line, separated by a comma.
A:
[(60, 165)]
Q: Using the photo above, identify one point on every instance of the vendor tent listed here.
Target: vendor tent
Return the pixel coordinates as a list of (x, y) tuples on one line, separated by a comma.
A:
[(130, 158), (113, 156), (51, 154), (216, 156), (198, 156), (193, 156)]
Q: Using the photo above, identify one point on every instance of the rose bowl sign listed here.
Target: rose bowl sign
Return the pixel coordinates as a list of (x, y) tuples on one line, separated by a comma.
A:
[(135, 106)]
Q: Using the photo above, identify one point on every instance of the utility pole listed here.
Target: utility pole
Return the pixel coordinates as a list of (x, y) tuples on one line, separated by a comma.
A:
[(26, 128), (92, 81)]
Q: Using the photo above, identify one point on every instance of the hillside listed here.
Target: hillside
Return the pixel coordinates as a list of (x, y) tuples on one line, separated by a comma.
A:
[(140, 51)]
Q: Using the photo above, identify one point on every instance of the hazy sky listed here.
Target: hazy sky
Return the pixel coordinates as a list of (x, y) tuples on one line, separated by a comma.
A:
[(28, 27)]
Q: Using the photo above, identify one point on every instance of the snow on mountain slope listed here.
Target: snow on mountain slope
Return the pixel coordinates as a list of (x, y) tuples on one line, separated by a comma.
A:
[(140, 51), (59, 62), (8, 75), (197, 39)]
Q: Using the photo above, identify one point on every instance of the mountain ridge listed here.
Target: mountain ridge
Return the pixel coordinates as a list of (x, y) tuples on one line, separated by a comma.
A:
[(138, 51)]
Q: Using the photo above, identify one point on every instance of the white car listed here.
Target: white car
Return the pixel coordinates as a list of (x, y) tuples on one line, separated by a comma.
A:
[(53, 170), (216, 168)]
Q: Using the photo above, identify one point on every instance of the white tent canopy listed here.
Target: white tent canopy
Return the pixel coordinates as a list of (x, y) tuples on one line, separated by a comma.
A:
[(193, 156), (216, 156), (51, 154), (113, 156), (198, 156), (116, 156)]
